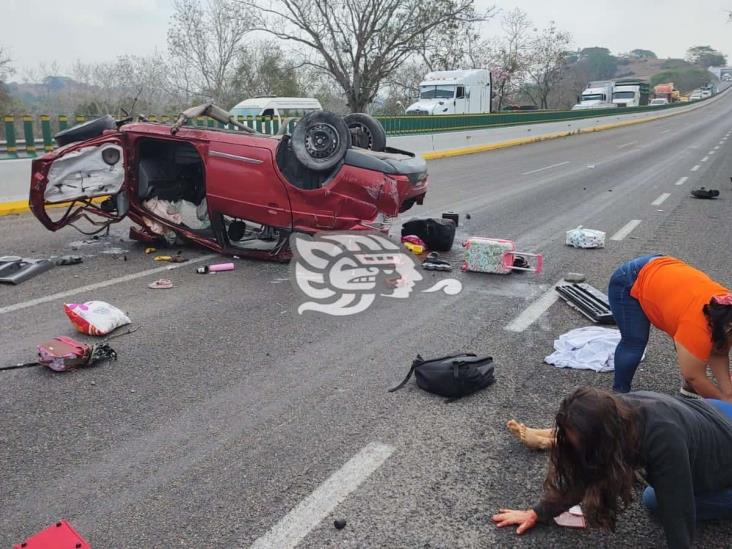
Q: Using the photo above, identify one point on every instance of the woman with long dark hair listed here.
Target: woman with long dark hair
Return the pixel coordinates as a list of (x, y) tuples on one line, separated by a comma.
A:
[(601, 440), (685, 303)]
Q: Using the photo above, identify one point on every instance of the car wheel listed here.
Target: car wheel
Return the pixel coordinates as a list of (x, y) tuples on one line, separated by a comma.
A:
[(320, 140), (85, 131), (366, 131)]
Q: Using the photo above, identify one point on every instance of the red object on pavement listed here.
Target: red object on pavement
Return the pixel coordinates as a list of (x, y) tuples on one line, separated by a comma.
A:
[(57, 536)]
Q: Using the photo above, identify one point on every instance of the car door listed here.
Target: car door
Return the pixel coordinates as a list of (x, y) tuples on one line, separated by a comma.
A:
[(459, 102), (73, 179), (241, 182)]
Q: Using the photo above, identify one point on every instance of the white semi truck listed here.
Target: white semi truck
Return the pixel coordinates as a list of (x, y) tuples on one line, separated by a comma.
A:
[(597, 95), (630, 92), (454, 92)]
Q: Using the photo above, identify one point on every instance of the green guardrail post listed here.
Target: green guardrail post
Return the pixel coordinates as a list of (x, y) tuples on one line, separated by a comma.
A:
[(210, 123), (165, 119), (200, 121), (30, 140), (80, 119), (268, 125), (46, 131), (63, 122), (152, 118), (12, 146)]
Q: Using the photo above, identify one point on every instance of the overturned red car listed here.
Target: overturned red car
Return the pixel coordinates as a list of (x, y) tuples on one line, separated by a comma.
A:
[(229, 189)]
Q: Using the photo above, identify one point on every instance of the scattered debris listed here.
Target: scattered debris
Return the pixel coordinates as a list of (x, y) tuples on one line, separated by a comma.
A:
[(588, 348), (434, 263), (585, 238), (161, 284), (702, 192), (150, 250), (215, 268), (495, 255), (68, 260), (60, 534), (437, 234), (575, 277), (454, 216), (95, 318), (15, 269), (170, 258), (339, 524), (588, 300)]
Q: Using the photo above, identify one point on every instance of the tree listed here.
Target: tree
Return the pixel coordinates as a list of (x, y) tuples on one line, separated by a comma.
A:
[(360, 43), (203, 42), (6, 69), (706, 56), (642, 54), (598, 62), (263, 69), (510, 55), (548, 53), (685, 79)]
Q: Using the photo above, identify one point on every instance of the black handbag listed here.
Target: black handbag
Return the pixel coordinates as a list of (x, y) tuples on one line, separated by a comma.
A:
[(452, 376), (437, 234)]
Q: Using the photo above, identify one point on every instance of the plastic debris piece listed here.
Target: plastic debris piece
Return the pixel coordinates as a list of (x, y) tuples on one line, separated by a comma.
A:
[(339, 524), (61, 534), (150, 250), (215, 268), (68, 260), (161, 284), (574, 277), (14, 269)]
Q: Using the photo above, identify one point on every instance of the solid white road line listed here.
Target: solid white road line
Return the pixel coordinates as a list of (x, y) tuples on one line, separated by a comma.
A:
[(681, 181), (661, 199), (98, 285), (294, 526), (711, 152), (705, 159), (665, 131), (626, 229), (546, 168), (695, 168), (529, 315), (627, 144), (716, 148)]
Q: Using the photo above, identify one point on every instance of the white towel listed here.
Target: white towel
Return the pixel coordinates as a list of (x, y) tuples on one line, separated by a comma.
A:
[(589, 348)]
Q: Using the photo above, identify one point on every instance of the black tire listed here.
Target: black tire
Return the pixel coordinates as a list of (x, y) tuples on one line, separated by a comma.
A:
[(85, 131), (320, 140), (366, 131)]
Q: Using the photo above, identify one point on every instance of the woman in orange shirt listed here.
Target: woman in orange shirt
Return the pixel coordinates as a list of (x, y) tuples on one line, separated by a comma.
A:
[(685, 303)]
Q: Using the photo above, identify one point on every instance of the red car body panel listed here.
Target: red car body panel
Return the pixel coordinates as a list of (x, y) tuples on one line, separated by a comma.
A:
[(242, 181)]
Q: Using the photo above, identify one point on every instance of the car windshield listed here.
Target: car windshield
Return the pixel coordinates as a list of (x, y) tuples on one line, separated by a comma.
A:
[(243, 111), (593, 97), (624, 95), (436, 92)]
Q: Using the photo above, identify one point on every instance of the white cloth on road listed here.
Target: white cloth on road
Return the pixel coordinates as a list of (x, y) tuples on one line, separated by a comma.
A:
[(589, 348)]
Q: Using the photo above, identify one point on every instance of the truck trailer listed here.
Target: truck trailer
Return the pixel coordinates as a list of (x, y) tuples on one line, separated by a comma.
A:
[(454, 92), (631, 92)]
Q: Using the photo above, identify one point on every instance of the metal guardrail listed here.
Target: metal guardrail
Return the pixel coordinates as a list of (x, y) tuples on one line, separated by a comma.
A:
[(38, 131)]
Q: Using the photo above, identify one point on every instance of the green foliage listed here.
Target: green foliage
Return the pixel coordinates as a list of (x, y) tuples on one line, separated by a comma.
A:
[(685, 79), (598, 63), (706, 56), (643, 54)]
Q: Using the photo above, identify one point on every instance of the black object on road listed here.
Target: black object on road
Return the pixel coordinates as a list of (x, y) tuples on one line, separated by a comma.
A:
[(339, 524), (452, 215), (588, 300), (437, 234), (15, 269), (701, 192)]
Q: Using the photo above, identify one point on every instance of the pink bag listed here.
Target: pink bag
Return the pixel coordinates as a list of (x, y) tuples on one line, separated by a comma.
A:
[(495, 255)]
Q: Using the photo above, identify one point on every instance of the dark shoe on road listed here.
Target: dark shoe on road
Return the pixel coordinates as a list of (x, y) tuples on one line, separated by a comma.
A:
[(701, 192)]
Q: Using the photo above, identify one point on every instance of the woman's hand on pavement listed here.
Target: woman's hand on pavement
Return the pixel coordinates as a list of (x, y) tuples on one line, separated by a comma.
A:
[(509, 517)]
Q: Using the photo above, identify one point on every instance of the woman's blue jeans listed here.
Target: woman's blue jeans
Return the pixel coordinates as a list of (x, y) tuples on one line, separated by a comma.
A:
[(712, 506), (631, 320)]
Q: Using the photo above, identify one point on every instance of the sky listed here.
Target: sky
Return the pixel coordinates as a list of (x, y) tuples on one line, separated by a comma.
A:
[(99, 30)]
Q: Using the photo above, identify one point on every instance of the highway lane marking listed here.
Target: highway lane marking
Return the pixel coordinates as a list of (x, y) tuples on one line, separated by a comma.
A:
[(627, 144), (661, 199), (716, 148), (695, 168), (98, 285), (546, 168), (681, 181), (307, 514), (705, 159), (626, 229), (531, 313), (665, 131), (712, 152)]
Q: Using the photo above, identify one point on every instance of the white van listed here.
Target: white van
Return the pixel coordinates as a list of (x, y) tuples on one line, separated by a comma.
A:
[(276, 107)]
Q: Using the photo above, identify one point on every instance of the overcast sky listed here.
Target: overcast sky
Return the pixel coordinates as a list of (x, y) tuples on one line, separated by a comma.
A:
[(96, 30)]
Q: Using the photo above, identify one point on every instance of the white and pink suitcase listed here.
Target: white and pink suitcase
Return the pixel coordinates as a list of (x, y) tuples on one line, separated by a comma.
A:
[(495, 255)]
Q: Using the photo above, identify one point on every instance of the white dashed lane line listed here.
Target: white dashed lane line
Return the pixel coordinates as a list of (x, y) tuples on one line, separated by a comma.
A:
[(705, 159), (681, 181), (546, 168), (661, 199), (531, 313), (695, 168), (307, 514), (626, 229)]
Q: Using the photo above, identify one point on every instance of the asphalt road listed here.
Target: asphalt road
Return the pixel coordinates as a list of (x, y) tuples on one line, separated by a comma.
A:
[(227, 409)]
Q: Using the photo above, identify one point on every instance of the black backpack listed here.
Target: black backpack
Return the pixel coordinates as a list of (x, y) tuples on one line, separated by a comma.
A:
[(437, 234), (452, 376)]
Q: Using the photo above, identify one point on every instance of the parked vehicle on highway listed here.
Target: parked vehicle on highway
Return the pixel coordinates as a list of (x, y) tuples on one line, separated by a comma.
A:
[(658, 101), (631, 92), (597, 95), (276, 107), (233, 191), (454, 92), (666, 91)]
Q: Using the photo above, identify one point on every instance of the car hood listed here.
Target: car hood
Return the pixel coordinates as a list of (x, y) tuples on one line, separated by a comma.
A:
[(430, 106)]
